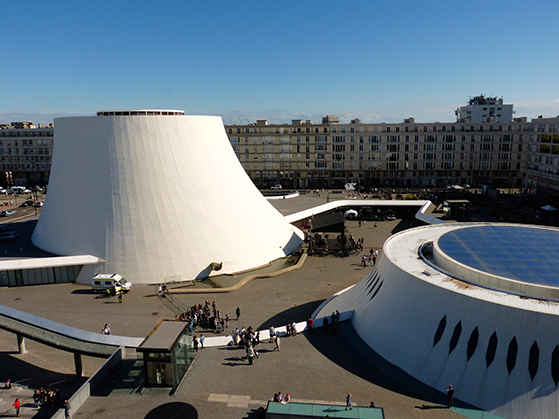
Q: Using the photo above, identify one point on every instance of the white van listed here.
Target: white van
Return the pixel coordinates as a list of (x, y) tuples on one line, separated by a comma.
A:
[(113, 282)]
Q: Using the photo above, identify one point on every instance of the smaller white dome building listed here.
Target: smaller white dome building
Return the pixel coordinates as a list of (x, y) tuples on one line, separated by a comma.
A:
[(472, 305), (157, 194)]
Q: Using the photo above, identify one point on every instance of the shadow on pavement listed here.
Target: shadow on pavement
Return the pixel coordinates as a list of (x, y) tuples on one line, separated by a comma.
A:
[(303, 311), (34, 377), (125, 378), (175, 410)]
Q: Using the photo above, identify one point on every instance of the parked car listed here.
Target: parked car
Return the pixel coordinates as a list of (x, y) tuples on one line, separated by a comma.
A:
[(39, 203), (7, 213), (112, 282), (27, 204), (9, 236), (276, 187)]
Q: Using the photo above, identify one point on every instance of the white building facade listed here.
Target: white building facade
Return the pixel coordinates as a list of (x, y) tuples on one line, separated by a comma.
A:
[(444, 319), (157, 194), (485, 109)]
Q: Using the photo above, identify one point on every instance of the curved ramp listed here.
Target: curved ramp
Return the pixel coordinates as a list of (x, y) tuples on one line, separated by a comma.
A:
[(61, 336), (420, 215)]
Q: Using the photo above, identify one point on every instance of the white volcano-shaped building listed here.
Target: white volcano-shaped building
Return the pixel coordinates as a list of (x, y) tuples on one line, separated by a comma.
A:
[(472, 305), (157, 194)]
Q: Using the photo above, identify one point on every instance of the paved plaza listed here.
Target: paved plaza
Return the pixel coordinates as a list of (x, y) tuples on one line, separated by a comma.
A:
[(313, 368)]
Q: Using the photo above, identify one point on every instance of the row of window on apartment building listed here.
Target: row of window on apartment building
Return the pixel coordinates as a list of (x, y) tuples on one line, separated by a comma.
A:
[(373, 128)]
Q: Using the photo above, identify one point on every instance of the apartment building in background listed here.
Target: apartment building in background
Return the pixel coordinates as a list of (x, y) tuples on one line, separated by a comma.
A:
[(25, 154), (330, 154), (485, 109), (483, 147), (542, 158)]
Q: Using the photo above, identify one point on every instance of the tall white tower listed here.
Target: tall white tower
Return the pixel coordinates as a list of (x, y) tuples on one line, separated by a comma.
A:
[(157, 194)]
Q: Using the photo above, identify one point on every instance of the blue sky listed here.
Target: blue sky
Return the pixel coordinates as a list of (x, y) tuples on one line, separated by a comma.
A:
[(378, 61)]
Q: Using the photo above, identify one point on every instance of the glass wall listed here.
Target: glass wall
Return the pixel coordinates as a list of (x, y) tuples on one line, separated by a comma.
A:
[(39, 276)]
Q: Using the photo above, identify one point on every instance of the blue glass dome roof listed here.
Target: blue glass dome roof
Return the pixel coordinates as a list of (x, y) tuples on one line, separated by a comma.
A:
[(520, 253)]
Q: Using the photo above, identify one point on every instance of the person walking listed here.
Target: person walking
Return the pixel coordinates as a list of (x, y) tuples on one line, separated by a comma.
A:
[(120, 296), (277, 340), (310, 325), (250, 353), (17, 406), (348, 402), (67, 409), (202, 340), (449, 396), (107, 329), (272, 332), (195, 343), (238, 312)]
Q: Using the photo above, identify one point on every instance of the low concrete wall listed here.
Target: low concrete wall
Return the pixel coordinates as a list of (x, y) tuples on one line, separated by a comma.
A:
[(83, 393)]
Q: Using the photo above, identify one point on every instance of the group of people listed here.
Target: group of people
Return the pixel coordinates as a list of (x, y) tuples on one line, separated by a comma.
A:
[(249, 339), (356, 244), (206, 316), (370, 260), (279, 398), (44, 397), (242, 336), (334, 320)]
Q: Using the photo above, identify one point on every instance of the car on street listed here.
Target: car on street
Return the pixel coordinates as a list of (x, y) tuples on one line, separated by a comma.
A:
[(278, 186), (7, 213), (27, 204)]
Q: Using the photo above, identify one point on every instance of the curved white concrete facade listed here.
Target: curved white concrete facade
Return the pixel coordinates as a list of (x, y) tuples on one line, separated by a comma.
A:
[(442, 331), (157, 196)]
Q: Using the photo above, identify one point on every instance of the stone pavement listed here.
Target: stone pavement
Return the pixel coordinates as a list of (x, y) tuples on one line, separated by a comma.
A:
[(220, 383)]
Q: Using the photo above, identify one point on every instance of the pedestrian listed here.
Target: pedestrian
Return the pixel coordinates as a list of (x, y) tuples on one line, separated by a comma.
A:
[(202, 340), (348, 402), (310, 325), (277, 340), (294, 328), (272, 333), (236, 336), (120, 296), (37, 398), (107, 329), (67, 409), (227, 321), (325, 324), (238, 312), (287, 398), (450, 396), (250, 354), (195, 343), (372, 404), (17, 406)]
